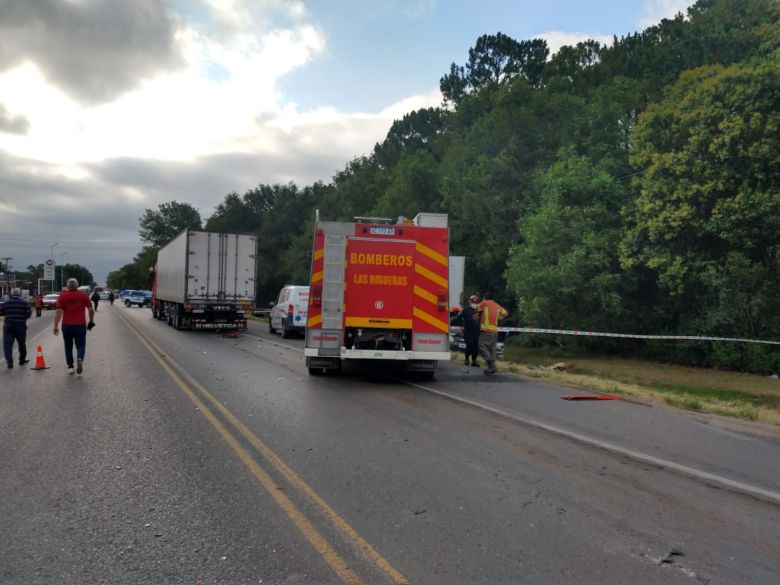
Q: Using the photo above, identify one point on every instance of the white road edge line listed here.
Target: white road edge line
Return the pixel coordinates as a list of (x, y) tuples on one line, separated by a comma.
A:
[(756, 491), (762, 493)]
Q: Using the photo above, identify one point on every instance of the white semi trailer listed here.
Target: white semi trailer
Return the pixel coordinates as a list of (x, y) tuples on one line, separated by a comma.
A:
[(205, 280)]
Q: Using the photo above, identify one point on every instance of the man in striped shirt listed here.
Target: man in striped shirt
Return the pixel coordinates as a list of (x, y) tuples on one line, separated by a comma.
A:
[(16, 311)]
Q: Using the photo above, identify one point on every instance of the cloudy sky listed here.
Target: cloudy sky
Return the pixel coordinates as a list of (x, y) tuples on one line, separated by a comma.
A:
[(109, 107)]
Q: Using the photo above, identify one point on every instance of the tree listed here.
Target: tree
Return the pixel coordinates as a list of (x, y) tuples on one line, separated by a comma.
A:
[(565, 270), (574, 62), (161, 226), (417, 130), (493, 60), (135, 275), (77, 271), (415, 187), (707, 217)]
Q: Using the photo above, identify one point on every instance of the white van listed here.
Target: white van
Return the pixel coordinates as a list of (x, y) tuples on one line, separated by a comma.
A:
[(288, 313)]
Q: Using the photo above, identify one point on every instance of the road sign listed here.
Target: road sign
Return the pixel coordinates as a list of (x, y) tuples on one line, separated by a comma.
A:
[(48, 269)]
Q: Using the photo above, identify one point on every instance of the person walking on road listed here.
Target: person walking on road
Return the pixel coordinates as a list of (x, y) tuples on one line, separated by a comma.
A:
[(38, 305), (70, 310), (111, 298), (469, 320), (489, 314), (16, 311), (95, 299)]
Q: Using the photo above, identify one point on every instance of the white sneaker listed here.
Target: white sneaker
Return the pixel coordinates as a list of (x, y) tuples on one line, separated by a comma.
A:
[(71, 370)]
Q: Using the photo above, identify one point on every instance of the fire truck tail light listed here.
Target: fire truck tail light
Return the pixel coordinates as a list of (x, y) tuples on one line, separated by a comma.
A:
[(442, 301), (316, 296)]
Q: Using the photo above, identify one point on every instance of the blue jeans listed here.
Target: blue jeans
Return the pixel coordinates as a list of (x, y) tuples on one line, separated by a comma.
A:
[(77, 334)]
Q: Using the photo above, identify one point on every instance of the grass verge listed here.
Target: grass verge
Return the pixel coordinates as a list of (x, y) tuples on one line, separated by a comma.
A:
[(739, 395)]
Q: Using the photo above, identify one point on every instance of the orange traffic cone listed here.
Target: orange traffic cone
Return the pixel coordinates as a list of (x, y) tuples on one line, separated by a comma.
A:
[(40, 363)]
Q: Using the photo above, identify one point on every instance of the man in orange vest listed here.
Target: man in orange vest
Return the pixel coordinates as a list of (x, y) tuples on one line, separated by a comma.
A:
[(489, 314)]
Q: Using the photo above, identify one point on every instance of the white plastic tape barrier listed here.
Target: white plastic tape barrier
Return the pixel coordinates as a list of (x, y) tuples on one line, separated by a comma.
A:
[(630, 335)]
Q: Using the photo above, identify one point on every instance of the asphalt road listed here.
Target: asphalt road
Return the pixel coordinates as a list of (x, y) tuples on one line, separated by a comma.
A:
[(184, 457)]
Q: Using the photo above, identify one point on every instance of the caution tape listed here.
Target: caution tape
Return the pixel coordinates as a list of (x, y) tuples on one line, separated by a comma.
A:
[(631, 335)]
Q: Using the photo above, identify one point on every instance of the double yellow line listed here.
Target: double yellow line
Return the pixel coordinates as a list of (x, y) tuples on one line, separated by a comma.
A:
[(340, 566)]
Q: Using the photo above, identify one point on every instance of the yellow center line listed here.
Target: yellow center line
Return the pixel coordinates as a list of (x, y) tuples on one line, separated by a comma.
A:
[(338, 564)]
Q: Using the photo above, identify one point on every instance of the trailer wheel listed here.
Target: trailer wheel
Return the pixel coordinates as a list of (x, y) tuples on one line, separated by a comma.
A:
[(176, 320)]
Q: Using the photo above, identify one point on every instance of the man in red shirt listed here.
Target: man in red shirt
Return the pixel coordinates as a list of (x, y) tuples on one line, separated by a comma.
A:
[(489, 314), (70, 310)]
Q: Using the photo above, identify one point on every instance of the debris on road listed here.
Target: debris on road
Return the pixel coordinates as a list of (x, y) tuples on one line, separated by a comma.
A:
[(669, 557), (562, 367), (590, 397)]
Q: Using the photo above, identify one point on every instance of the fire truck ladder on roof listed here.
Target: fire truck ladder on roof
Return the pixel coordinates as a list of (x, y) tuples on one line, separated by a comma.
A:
[(333, 282)]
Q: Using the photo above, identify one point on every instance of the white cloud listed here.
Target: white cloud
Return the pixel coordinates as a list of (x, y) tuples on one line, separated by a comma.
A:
[(656, 10), (82, 171), (179, 115), (557, 39)]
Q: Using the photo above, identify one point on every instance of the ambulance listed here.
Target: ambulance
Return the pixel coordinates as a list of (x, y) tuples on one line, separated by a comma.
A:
[(379, 291)]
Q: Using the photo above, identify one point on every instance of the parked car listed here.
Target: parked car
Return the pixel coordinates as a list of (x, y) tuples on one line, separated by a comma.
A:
[(288, 313), (50, 301), (141, 298)]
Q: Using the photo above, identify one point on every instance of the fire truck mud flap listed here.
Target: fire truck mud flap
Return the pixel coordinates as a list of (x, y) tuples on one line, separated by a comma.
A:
[(422, 365), (318, 365)]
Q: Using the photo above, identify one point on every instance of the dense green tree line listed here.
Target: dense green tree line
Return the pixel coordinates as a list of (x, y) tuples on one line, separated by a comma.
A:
[(28, 279), (630, 187)]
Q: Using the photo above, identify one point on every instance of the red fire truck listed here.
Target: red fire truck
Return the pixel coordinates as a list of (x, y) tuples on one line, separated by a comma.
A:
[(379, 291)]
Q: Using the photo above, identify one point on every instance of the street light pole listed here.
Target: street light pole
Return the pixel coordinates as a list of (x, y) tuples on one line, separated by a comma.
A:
[(51, 257), (62, 269)]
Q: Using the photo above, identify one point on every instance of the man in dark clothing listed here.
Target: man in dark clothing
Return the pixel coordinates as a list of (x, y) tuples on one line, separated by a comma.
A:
[(469, 321), (95, 299), (16, 311)]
